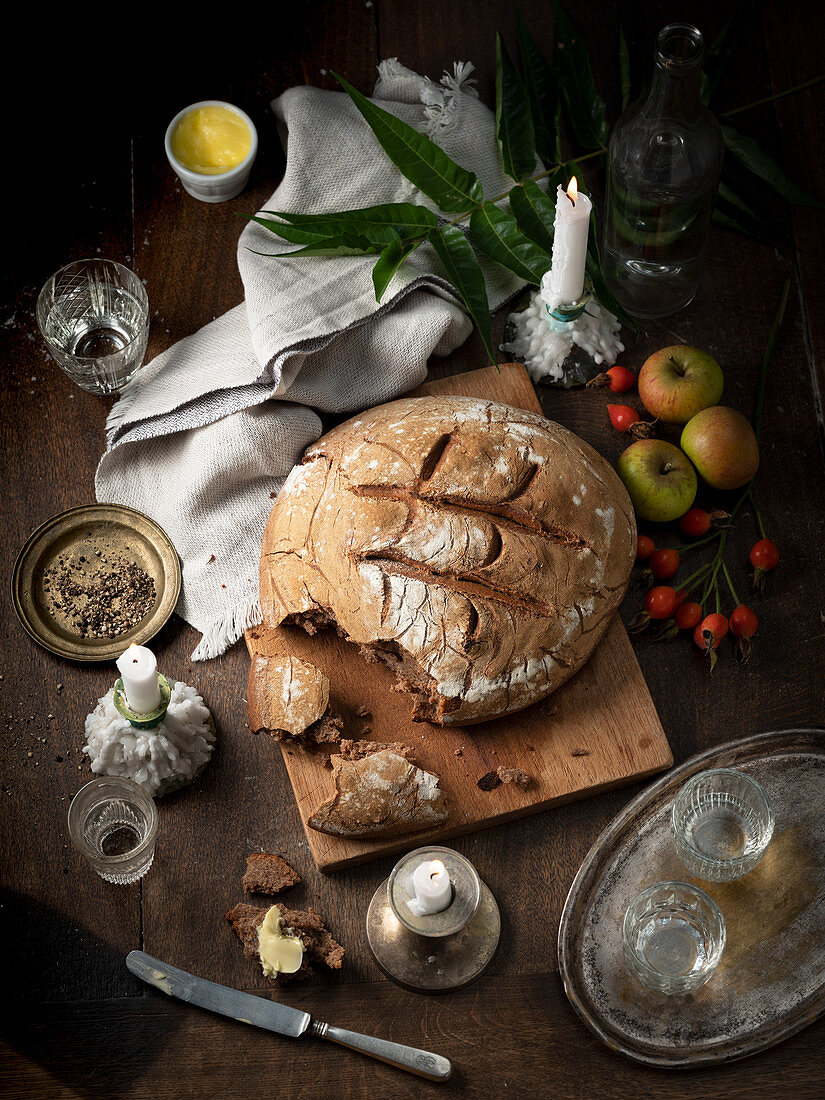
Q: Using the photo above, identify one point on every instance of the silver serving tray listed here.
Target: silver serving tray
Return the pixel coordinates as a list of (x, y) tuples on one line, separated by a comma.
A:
[(771, 980)]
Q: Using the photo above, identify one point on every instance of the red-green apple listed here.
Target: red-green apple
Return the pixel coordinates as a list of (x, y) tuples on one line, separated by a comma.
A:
[(660, 479), (722, 446), (677, 382)]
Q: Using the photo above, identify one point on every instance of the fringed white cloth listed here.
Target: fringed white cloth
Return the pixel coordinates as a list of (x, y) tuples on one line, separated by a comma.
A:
[(206, 433)]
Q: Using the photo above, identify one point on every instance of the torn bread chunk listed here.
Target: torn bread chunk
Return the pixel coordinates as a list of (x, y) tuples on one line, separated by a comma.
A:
[(308, 926), (268, 873), (381, 794), (290, 700)]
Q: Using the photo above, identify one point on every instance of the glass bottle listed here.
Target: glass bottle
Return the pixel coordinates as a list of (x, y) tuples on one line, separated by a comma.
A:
[(664, 159)]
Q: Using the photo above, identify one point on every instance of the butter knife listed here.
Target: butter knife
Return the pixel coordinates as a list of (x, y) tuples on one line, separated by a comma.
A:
[(281, 1018)]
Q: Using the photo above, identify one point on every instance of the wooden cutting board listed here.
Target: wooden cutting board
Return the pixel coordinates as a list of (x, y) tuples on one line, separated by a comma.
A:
[(599, 730)]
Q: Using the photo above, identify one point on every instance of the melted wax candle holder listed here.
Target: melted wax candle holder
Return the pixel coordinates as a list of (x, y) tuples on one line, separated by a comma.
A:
[(563, 314), (148, 721), (433, 952)]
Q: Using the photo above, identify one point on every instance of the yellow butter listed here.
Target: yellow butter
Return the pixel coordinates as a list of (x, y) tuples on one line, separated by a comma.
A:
[(280, 954), (211, 140)]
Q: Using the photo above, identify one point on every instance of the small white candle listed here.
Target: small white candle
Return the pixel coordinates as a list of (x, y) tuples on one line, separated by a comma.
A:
[(429, 888), (570, 234), (139, 671)]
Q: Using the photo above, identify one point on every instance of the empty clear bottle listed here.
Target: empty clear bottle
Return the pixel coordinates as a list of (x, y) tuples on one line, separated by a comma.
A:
[(664, 159)]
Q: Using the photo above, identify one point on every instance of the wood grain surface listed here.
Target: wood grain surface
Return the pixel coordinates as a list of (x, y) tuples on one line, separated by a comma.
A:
[(599, 730), (87, 115)]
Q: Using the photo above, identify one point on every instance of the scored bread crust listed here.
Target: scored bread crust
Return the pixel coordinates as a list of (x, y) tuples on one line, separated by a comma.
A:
[(481, 549)]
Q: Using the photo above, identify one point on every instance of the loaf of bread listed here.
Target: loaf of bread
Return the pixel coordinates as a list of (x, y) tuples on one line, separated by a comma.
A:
[(479, 549)]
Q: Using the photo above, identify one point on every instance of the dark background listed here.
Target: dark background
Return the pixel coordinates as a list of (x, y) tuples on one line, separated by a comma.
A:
[(88, 96)]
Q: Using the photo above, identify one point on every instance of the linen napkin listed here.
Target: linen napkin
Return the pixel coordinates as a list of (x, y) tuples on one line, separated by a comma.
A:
[(205, 435)]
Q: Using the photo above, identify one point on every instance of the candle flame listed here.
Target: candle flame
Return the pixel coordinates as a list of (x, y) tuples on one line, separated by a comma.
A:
[(573, 190), (437, 868)]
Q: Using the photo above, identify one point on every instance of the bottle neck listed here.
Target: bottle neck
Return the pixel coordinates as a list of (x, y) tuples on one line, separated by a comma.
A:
[(674, 94), (677, 77)]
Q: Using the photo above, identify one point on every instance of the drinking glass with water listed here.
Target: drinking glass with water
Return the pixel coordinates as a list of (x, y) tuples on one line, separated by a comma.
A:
[(113, 823), (94, 317), (721, 822)]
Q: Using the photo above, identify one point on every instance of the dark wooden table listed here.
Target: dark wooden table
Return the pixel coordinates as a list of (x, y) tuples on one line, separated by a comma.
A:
[(94, 180)]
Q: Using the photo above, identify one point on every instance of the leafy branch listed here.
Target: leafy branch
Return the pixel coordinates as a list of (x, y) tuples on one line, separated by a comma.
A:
[(536, 105)]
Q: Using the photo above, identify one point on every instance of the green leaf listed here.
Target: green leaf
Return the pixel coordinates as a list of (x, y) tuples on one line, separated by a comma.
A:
[(465, 274), (514, 124), (585, 107), (535, 212), (633, 59), (733, 222), (408, 219), (498, 236), (728, 195), (593, 267), (449, 185), (717, 56), (732, 211), (542, 94), (748, 153), (326, 229), (388, 263), (624, 68)]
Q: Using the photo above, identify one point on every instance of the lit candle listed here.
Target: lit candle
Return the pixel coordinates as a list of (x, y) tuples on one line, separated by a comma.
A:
[(570, 232), (139, 672), (429, 888)]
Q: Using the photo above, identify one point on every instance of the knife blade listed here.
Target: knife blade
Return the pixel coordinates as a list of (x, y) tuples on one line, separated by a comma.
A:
[(246, 1008)]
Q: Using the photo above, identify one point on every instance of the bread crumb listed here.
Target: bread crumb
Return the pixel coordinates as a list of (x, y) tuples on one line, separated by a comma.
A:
[(514, 775), (580, 752), (489, 782)]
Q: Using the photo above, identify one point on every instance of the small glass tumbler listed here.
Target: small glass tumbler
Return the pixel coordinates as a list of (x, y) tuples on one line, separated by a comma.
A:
[(94, 317), (113, 822), (673, 937), (722, 822)]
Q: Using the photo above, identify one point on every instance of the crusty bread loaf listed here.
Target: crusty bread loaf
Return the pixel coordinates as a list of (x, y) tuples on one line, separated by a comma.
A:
[(480, 549)]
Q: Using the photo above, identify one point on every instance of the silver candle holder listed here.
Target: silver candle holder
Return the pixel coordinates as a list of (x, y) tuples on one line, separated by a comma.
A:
[(433, 952)]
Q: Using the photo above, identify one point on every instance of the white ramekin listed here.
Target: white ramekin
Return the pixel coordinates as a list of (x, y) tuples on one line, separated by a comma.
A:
[(222, 185)]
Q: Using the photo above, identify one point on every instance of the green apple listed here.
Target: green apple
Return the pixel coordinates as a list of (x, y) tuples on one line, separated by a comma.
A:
[(677, 382), (659, 478), (722, 446)]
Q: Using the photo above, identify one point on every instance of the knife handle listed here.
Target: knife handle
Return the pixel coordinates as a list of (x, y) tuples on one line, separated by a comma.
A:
[(420, 1062)]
